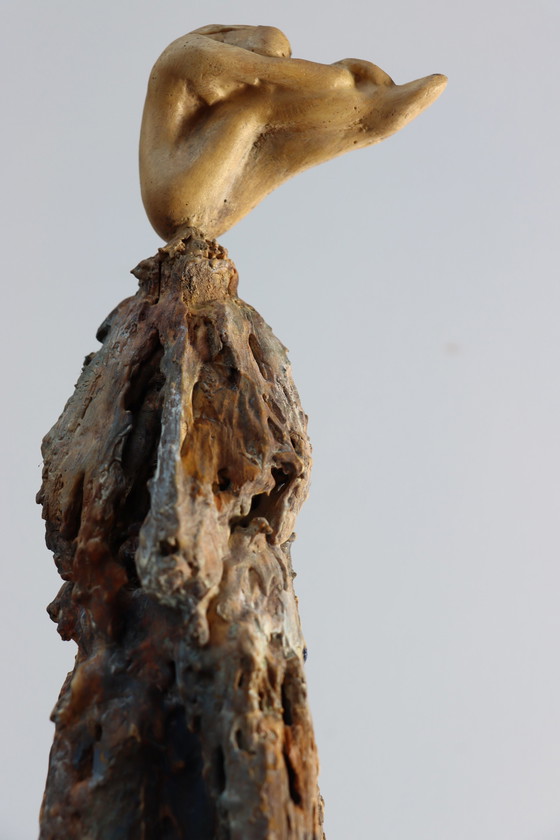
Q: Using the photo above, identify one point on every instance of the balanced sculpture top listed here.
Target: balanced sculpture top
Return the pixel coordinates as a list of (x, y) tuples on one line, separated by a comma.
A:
[(229, 116)]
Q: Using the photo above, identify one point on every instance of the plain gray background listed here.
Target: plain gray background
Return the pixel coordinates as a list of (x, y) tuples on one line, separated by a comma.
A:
[(416, 285)]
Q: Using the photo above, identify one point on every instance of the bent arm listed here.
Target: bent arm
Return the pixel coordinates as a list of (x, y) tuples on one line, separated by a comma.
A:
[(213, 69)]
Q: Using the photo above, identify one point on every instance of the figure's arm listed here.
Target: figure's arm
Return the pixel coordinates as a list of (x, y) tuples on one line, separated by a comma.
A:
[(213, 70)]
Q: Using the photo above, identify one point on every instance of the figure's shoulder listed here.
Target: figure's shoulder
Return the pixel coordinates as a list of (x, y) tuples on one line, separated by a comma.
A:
[(202, 67), (191, 69), (188, 51)]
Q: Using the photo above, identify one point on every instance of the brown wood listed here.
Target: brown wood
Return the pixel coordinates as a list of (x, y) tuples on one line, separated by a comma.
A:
[(171, 484)]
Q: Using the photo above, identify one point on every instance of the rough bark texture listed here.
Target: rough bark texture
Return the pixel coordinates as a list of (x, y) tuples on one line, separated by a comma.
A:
[(170, 488)]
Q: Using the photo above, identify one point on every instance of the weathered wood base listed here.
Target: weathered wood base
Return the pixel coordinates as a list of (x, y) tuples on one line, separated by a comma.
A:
[(170, 489)]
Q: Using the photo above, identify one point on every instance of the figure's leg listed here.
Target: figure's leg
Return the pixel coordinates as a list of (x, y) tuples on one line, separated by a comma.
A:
[(317, 128), (310, 130)]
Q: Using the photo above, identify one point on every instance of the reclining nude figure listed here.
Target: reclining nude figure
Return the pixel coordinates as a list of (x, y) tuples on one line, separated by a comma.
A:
[(229, 116)]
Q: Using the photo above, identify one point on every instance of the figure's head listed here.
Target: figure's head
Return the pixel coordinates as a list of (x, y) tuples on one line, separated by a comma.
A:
[(264, 40)]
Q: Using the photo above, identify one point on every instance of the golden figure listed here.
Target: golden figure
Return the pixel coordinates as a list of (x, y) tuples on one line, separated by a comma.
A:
[(229, 116)]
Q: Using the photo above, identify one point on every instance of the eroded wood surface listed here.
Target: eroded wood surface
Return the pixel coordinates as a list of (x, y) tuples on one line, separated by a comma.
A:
[(171, 484)]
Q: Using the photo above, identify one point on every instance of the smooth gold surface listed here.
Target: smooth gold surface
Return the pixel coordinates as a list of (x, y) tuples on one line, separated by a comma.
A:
[(229, 116)]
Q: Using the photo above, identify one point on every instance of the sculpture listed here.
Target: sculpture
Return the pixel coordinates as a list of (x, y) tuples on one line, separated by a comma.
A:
[(229, 116), (173, 477)]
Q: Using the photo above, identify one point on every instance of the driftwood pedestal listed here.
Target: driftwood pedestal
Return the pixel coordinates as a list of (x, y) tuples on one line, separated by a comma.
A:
[(171, 484)]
